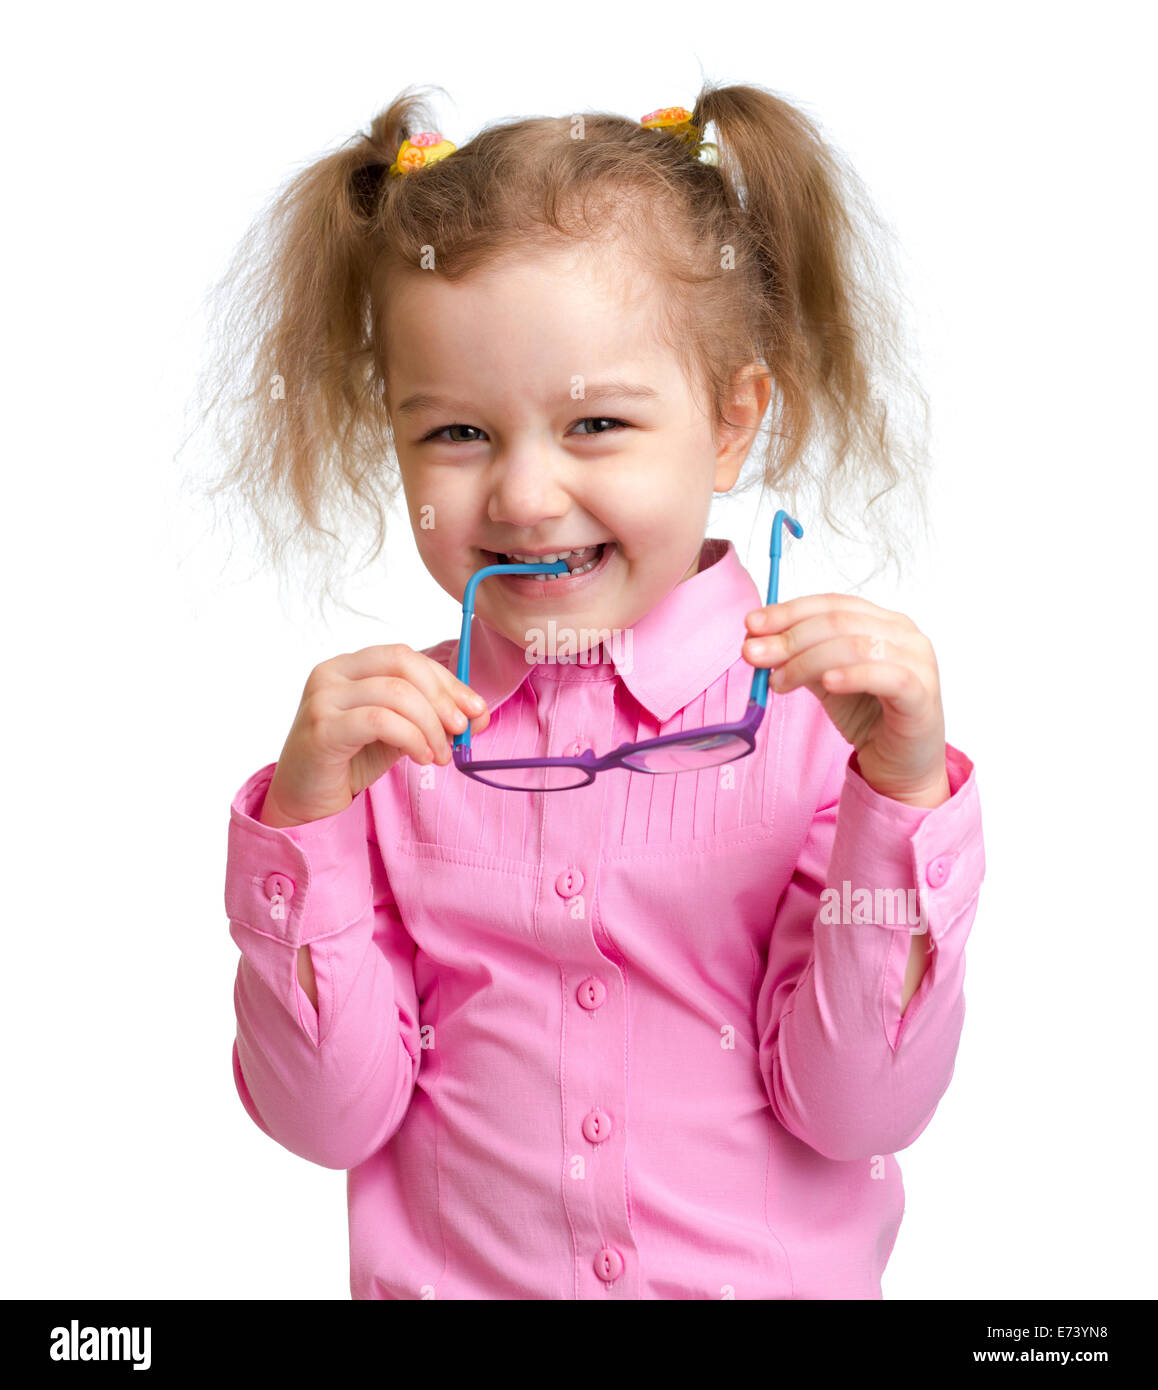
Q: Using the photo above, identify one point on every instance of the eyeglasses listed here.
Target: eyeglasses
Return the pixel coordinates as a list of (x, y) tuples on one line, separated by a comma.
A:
[(688, 751)]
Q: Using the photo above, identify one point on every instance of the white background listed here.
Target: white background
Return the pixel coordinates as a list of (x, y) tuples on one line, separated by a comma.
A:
[(1010, 146)]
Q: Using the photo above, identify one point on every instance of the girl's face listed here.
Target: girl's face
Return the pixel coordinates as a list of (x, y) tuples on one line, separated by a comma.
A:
[(534, 413)]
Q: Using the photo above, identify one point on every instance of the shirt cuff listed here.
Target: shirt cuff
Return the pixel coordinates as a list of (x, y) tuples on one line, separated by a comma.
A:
[(296, 883), (934, 854)]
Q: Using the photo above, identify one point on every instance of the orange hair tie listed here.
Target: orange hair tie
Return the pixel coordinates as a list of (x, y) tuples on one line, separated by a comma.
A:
[(677, 120), (427, 147)]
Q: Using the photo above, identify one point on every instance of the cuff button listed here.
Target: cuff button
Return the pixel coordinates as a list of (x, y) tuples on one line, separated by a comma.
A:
[(279, 889)]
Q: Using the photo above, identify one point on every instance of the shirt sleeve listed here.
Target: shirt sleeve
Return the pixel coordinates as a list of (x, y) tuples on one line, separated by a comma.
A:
[(845, 1071), (331, 1084)]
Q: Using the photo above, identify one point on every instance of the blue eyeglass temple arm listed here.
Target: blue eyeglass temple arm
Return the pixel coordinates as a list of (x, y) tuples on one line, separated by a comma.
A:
[(779, 521), (555, 567), (760, 679)]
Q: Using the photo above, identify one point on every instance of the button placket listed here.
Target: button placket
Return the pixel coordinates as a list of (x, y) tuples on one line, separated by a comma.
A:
[(590, 1064)]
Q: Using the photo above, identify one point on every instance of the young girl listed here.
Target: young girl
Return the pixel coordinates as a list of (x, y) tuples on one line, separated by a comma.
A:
[(652, 1036)]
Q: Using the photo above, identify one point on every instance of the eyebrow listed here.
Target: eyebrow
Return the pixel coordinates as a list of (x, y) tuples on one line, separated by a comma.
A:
[(603, 390)]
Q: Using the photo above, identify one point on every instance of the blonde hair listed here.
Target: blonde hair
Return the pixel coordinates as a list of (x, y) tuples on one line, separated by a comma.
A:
[(296, 384)]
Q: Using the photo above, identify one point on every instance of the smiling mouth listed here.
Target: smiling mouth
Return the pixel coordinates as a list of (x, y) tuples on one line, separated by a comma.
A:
[(577, 561)]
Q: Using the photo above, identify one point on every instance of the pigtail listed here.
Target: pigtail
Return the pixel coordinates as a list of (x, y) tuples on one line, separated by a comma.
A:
[(296, 398), (847, 410)]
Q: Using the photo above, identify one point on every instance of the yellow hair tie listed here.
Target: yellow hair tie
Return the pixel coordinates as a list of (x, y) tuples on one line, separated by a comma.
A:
[(427, 147), (677, 120)]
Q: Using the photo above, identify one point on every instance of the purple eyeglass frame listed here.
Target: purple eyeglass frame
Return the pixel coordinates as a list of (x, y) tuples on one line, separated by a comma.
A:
[(586, 761)]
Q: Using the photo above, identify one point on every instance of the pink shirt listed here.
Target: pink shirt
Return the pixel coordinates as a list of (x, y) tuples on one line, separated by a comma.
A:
[(611, 1042)]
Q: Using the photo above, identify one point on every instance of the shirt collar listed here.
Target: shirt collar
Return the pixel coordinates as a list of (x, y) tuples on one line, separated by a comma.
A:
[(677, 650)]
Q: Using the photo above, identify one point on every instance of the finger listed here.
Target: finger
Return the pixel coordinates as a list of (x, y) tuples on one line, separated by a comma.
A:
[(894, 685), (379, 723), (345, 732), (401, 695), (454, 700), (774, 617), (808, 667), (464, 697), (830, 639), (397, 658), (384, 659)]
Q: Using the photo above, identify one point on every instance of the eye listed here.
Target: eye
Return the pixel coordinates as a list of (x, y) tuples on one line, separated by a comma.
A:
[(435, 433), (603, 420)]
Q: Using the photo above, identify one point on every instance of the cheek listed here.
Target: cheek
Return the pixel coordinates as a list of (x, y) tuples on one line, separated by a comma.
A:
[(434, 505), (411, 488), (435, 541)]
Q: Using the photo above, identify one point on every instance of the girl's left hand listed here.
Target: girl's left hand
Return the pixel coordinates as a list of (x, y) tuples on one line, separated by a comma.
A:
[(876, 675)]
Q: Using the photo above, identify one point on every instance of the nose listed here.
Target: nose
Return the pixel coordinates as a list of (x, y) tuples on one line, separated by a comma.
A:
[(525, 491)]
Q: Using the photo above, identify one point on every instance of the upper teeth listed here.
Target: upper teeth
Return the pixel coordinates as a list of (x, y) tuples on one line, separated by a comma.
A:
[(550, 559), (586, 559)]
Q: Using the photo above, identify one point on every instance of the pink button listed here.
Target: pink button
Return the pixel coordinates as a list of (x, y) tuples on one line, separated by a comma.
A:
[(591, 993), (569, 882), (938, 870), (279, 886), (596, 1126), (608, 1264)]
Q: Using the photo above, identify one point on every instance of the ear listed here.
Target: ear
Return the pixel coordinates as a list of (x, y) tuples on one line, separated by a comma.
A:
[(750, 394)]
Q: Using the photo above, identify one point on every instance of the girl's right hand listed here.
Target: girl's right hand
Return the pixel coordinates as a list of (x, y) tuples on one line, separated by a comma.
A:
[(359, 713)]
